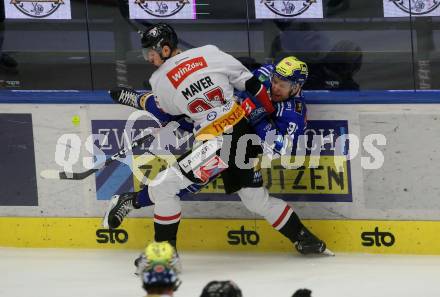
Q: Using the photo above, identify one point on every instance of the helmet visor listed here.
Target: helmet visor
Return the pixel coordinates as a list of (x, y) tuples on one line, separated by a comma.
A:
[(148, 53)]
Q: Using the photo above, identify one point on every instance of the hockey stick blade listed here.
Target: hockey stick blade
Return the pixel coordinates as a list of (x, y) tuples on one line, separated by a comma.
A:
[(62, 175), (55, 174), (50, 174)]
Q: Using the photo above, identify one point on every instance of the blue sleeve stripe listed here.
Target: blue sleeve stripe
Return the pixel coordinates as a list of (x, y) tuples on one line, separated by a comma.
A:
[(264, 71)]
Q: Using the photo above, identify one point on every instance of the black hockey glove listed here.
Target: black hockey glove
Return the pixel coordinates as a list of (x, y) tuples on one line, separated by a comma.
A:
[(125, 96)]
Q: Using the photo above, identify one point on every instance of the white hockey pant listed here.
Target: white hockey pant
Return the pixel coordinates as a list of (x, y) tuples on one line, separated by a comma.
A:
[(167, 207), (274, 210), (163, 193)]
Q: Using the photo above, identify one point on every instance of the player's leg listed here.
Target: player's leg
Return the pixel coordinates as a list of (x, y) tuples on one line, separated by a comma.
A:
[(282, 217), (121, 205), (161, 193), (248, 183), (167, 208)]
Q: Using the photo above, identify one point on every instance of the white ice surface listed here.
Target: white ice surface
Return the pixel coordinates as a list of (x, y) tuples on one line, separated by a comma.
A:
[(96, 273)]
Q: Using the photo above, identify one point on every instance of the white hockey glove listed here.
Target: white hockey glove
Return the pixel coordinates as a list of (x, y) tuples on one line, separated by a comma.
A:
[(277, 148)]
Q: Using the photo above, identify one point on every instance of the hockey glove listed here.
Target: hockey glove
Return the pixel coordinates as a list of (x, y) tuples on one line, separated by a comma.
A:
[(126, 96), (275, 149)]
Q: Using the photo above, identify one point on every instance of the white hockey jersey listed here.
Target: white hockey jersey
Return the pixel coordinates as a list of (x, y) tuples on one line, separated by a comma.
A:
[(200, 83)]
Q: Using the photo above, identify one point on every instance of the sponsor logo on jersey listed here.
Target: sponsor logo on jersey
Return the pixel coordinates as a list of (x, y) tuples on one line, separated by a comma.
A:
[(288, 8), (196, 158), (418, 7), (162, 8), (234, 114), (211, 116), (178, 74), (248, 106), (227, 106), (298, 107), (37, 8), (210, 168), (262, 78)]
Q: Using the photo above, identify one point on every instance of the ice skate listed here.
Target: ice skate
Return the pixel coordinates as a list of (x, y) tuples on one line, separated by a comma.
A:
[(120, 206), (309, 244)]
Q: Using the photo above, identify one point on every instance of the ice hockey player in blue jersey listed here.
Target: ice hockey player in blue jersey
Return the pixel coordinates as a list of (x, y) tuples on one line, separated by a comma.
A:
[(284, 80)]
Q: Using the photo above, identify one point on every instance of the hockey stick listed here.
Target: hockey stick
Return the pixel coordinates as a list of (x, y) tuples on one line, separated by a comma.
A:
[(63, 175)]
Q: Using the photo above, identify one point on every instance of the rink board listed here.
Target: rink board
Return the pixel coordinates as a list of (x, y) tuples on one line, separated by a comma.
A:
[(392, 209), (404, 188), (394, 237)]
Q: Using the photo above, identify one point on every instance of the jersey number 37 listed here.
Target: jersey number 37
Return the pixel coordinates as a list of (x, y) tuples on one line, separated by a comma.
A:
[(212, 99)]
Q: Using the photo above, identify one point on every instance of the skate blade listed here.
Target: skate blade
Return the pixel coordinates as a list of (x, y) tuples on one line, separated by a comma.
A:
[(328, 252), (113, 202)]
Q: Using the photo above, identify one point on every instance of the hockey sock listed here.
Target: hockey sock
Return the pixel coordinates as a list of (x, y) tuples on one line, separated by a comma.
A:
[(292, 228), (166, 233)]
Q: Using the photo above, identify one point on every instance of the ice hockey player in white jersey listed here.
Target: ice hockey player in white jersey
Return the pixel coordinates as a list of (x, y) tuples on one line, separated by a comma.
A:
[(199, 83)]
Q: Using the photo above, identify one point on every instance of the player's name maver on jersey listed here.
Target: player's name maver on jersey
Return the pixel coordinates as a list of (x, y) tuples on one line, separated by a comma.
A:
[(200, 83), (197, 87)]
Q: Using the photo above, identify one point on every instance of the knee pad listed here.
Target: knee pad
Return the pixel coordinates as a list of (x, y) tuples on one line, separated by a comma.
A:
[(258, 201), (255, 199), (167, 184)]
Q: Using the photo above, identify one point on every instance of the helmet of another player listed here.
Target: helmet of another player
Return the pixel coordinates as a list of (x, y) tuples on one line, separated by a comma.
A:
[(288, 76), (158, 253), (160, 276), (155, 39), (221, 289)]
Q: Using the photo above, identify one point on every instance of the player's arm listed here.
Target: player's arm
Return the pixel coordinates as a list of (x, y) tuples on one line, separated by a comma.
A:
[(264, 74), (243, 80), (261, 76), (259, 91), (146, 101), (271, 138)]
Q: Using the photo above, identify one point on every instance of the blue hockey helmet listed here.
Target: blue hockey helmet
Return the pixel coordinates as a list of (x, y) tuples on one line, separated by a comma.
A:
[(160, 275)]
